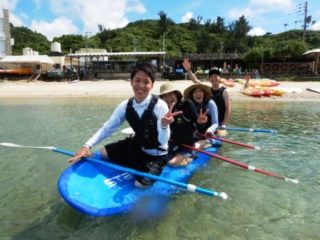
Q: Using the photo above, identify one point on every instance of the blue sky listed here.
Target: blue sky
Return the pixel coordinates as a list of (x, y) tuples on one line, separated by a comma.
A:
[(57, 17)]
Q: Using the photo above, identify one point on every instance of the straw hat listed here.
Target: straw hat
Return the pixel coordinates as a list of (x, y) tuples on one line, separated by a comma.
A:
[(169, 87), (206, 90)]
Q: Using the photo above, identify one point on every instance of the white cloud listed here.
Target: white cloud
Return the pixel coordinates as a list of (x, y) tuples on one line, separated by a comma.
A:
[(15, 20), (315, 26), (77, 16), (109, 13), (55, 28), (8, 4), (136, 6), (256, 31), (187, 17), (272, 5), (235, 13)]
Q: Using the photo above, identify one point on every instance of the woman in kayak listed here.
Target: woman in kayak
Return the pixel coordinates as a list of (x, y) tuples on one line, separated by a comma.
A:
[(220, 95), (183, 128), (200, 95), (149, 118)]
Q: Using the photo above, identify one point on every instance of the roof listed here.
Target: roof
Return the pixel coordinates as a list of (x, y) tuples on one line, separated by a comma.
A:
[(312, 51), (27, 59), (113, 54)]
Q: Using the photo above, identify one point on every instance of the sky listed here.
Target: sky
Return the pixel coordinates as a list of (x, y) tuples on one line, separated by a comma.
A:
[(54, 18)]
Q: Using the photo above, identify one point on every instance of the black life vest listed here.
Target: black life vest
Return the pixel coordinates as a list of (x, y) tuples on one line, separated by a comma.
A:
[(218, 99), (204, 106), (183, 130), (145, 128)]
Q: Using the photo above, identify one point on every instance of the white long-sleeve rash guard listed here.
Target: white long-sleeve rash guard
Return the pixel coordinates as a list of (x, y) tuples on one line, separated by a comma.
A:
[(118, 117)]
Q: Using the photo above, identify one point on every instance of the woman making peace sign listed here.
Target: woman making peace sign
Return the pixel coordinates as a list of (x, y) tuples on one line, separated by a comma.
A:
[(183, 128)]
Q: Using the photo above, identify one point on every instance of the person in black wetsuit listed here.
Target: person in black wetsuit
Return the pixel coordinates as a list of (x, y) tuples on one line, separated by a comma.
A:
[(220, 95), (183, 128), (200, 95)]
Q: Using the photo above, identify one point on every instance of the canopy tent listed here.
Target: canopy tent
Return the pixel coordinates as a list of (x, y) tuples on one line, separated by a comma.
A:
[(33, 64), (41, 59), (316, 54)]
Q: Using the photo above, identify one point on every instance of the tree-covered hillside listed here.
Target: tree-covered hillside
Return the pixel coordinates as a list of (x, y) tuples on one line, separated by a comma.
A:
[(196, 36)]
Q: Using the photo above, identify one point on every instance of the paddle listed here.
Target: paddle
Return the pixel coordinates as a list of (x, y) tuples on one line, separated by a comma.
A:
[(230, 141), (273, 131), (188, 187), (240, 164)]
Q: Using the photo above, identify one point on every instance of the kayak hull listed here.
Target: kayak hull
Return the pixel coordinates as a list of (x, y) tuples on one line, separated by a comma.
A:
[(97, 190)]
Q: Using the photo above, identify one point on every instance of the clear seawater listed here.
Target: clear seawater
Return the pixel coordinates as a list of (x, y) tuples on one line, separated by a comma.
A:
[(259, 207)]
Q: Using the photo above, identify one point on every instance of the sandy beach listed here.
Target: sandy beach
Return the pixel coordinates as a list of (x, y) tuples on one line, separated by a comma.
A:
[(295, 91)]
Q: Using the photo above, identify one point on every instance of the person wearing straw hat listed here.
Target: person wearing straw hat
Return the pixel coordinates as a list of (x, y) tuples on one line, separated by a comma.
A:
[(183, 128), (149, 117), (200, 95), (220, 95)]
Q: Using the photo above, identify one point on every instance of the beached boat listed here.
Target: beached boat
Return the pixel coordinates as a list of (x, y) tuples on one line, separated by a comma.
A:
[(252, 92), (16, 71), (98, 190), (264, 82), (227, 82)]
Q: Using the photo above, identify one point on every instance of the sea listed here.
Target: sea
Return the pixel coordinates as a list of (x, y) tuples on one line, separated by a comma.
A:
[(258, 207)]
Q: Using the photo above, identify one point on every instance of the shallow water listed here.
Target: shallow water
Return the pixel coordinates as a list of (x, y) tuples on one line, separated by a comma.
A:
[(259, 207)]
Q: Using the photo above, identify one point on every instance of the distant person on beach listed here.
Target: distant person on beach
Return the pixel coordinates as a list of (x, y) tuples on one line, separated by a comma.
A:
[(149, 117), (220, 95), (183, 128), (247, 77)]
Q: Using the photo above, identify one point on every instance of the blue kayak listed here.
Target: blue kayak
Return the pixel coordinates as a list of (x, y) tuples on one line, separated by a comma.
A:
[(97, 190)]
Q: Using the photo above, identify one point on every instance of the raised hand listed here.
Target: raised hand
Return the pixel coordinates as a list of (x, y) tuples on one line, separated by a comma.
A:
[(169, 117), (202, 118), (186, 64)]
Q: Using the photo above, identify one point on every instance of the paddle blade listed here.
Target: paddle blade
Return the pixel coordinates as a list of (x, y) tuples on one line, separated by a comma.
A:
[(9, 144)]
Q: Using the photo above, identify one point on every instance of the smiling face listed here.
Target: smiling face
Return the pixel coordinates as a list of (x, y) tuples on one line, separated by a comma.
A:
[(142, 85), (198, 95), (170, 98), (214, 79)]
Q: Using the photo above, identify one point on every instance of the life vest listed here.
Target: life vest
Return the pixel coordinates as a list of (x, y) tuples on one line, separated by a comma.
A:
[(145, 128), (183, 130), (204, 106), (218, 99)]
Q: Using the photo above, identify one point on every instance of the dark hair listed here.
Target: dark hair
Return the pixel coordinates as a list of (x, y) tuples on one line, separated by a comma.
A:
[(214, 71), (146, 67)]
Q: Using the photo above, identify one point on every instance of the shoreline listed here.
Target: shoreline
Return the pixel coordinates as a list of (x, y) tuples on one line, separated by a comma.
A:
[(122, 89)]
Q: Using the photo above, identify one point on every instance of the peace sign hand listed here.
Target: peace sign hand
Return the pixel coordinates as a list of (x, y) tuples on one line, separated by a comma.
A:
[(203, 118), (169, 117)]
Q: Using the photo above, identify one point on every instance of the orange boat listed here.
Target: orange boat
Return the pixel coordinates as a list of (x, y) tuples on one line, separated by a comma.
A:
[(227, 82), (253, 92), (260, 82), (16, 71)]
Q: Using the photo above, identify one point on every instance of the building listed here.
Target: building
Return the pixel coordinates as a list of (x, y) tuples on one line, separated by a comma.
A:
[(5, 35)]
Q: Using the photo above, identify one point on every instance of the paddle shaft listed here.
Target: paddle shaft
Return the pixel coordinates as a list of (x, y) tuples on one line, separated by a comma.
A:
[(240, 164), (252, 130), (188, 187), (230, 141)]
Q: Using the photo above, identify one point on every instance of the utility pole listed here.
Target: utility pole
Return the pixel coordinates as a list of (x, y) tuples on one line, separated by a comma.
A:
[(305, 21), (86, 39)]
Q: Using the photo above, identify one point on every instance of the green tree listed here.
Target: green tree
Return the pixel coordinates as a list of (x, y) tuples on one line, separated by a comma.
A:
[(24, 37), (70, 43)]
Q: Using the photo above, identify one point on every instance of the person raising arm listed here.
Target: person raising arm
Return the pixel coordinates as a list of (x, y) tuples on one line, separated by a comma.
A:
[(220, 94)]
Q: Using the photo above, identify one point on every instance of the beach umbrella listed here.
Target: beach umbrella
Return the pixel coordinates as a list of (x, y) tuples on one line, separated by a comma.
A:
[(315, 53)]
